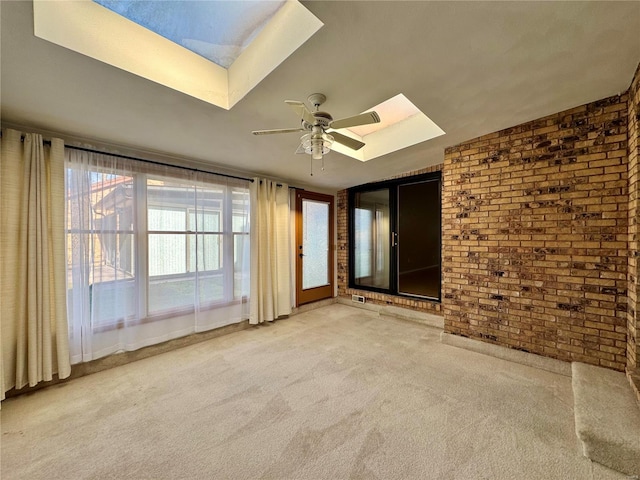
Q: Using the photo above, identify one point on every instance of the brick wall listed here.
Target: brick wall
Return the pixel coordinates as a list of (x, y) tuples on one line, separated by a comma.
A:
[(633, 346), (541, 236), (343, 260), (535, 236)]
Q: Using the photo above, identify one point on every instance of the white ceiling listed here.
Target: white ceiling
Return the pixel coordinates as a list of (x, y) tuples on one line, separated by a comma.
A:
[(472, 67)]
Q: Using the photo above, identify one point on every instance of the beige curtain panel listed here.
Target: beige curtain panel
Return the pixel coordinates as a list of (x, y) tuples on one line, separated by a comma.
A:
[(270, 251), (33, 321)]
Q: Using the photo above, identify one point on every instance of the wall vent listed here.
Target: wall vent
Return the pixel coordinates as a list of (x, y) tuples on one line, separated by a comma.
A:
[(357, 298)]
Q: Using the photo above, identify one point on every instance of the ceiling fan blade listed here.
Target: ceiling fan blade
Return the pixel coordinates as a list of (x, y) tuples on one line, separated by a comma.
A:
[(277, 130), (301, 111), (355, 121), (347, 141)]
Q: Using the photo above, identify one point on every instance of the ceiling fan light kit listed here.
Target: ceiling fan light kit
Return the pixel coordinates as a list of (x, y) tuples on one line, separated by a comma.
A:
[(318, 142)]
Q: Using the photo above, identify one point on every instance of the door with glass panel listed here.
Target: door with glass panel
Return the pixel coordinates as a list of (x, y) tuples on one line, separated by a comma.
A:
[(372, 238), (395, 237), (314, 247)]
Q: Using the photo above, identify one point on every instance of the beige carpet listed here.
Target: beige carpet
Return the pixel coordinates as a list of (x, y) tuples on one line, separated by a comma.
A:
[(333, 393)]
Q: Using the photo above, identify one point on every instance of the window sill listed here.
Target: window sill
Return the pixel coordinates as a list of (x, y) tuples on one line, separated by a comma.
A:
[(129, 322)]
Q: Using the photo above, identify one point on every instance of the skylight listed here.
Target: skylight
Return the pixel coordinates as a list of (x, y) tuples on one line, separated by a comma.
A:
[(391, 112), (402, 125), (218, 31), (254, 38)]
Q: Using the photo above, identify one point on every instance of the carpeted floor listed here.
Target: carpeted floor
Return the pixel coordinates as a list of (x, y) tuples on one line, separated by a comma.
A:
[(333, 393)]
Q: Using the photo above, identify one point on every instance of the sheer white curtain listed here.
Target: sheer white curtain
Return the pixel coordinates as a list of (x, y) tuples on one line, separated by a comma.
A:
[(154, 253), (33, 323), (270, 251)]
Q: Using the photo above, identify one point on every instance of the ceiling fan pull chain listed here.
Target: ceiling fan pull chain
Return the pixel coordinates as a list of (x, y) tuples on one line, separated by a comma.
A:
[(323, 163), (311, 163)]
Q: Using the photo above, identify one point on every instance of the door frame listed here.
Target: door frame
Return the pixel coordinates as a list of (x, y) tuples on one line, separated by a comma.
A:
[(392, 186), (318, 293)]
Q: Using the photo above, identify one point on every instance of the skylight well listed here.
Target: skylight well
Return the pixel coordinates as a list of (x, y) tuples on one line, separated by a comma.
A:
[(402, 125), (218, 31), (216, 51)]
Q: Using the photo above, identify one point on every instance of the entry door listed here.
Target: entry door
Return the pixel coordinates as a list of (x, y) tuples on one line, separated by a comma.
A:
[(314, 246)]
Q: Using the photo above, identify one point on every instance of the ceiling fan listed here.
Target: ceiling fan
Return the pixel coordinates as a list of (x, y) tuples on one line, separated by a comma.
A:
[(318, 142)]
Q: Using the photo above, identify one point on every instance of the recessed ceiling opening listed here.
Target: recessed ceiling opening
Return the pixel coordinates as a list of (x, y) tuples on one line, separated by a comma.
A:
[(218, 31), (182, 45), (402, 125)]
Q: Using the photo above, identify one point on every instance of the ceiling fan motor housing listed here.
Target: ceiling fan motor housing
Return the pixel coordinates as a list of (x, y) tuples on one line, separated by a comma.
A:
[(323, 119)]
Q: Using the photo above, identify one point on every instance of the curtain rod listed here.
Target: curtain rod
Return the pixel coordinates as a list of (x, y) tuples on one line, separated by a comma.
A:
[(154, 162)]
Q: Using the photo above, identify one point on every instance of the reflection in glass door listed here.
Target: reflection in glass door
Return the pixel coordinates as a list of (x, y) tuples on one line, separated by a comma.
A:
[(314, 237), (372, 252)]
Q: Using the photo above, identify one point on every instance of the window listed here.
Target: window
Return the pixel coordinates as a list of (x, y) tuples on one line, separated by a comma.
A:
[(185, 245), (152, 253), (395, 237)]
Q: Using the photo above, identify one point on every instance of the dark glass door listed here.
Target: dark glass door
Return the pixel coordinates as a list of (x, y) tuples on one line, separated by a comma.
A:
[(419, 239), (395, 237)]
